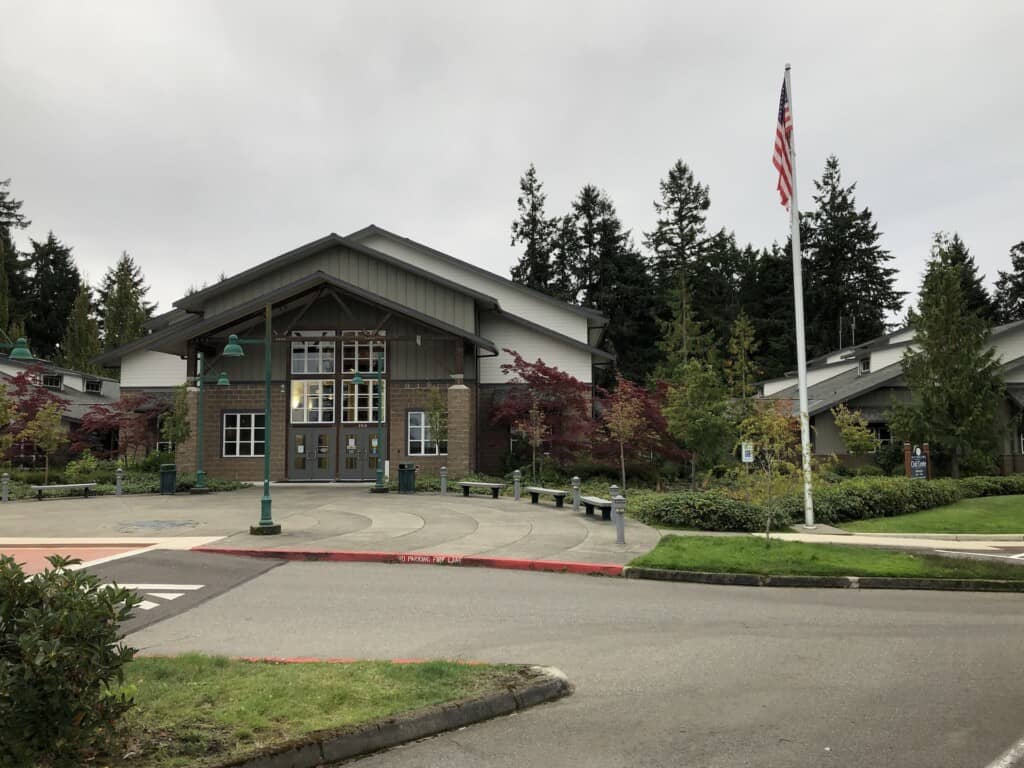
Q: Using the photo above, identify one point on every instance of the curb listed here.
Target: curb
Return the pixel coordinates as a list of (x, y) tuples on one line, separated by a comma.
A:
[(410, 727), (835, 582), (415, 558)]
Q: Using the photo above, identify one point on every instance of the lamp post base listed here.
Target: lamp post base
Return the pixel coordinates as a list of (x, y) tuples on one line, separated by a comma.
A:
[(265, 530), (380, 489), (197, 490)]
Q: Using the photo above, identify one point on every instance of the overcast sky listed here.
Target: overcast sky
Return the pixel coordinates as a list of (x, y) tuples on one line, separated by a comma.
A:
[(210, 136)]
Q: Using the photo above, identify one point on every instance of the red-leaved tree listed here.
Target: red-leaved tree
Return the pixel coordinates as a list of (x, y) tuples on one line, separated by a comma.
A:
[(28, 397), (563, 399), (132, 419)]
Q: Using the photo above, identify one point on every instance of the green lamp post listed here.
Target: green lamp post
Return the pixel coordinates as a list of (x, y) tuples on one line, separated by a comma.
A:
[(266, 525), (222, 381), (379, 486)]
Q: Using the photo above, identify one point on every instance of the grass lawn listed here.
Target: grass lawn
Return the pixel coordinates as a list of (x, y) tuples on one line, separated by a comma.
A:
[(201, 710), (988, 514), (747, 554)]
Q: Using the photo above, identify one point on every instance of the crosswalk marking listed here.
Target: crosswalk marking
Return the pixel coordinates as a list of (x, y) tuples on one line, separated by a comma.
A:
[(148, 605), (166, 592), (166, 595), (163, 587)]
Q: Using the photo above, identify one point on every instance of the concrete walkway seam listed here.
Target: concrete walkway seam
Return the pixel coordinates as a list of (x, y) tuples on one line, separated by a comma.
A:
[(402, 729), (420, 558), (834, 582)]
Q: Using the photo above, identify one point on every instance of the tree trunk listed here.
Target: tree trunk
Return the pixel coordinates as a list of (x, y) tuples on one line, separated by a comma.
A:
[(955, 465), (693, 473), (622, 464), (46, 469)]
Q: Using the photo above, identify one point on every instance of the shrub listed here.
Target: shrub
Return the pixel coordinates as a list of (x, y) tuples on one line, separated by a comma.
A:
[(88, 469), (869, 470), (60, 662), (704, 510), (152, 462)]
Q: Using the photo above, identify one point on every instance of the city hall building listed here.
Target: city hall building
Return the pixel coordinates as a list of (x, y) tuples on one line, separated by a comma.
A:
[(367, 331)]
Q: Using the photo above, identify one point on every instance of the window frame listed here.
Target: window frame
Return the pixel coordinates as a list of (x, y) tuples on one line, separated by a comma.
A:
[(312, 343), (351, 358), (57, 376), (425, 438), (864, 365), (237, 442), (304, 399), (94, 386), (369, 385)]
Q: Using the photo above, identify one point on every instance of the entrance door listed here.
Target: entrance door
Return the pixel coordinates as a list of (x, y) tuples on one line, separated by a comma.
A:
[(311, 454), (359, 452)]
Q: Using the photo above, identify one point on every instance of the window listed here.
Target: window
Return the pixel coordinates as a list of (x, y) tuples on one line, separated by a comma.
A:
[(244, 434), (92, 385), (360, 354), (313, 401), (52, 380), (882, 434), (361, 402), (421, 442), (313, 356), (865, 365), (164, 446)]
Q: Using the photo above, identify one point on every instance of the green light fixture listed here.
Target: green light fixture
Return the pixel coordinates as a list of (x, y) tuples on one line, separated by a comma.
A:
[(223, 381), (233, 348), (357, 379), (21, 350)]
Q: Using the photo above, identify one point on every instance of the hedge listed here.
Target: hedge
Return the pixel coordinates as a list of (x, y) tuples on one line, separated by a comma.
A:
[(702, 510)]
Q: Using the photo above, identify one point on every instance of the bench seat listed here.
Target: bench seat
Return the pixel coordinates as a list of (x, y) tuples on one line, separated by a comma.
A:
[(40, 488), (535, 493), (468, 484), (589, 502)]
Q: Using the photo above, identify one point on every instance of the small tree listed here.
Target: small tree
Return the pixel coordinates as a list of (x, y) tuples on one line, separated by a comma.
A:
[(176, 427), (536, 430), (698, 413), (47, 433), (773, 431), (853, 429), (437, 418), (6, 418), (625, 418)]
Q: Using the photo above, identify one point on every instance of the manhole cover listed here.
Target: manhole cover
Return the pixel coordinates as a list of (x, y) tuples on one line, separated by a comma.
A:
[(157, 525)]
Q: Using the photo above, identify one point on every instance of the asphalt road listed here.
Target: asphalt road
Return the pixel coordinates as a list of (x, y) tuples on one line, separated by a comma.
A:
[(665, 674), (172, 582)]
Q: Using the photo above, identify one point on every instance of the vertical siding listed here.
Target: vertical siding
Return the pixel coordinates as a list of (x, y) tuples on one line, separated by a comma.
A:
[(532, 346), (152, 369)]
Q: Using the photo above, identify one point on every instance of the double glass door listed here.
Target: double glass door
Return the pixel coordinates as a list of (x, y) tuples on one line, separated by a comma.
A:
[(313, 452), (360, 452)]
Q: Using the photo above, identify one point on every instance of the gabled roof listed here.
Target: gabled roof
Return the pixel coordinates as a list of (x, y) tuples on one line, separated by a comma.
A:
[(839, 389)]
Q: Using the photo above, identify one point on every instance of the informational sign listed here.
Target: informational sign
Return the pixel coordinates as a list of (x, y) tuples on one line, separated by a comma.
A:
[(748, 453), (918, 464)]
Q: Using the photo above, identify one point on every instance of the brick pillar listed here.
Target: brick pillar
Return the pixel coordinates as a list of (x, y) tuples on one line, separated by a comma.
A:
[(185, 452), (460, 427)]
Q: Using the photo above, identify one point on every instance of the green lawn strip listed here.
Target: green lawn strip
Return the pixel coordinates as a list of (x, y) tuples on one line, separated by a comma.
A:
[(988, 514), (198, 710), (748, 554)]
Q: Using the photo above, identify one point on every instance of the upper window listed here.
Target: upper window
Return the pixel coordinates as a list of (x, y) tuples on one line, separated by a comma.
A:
[(52, 380), (244, 434), (312, 356), (362, 402), (865, 365), (93, 385), (420, 440), (313, 401), (360, 354)]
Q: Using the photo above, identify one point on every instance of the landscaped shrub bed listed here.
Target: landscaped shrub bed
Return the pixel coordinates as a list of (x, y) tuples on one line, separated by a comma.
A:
[(701, 510)]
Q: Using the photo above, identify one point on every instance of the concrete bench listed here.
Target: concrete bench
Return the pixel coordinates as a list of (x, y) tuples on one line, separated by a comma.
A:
[(535, 494), (494, 487), (40, 488), (589, 502)]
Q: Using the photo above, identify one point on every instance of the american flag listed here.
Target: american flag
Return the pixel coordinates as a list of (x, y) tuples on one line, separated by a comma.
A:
[(781, 156)]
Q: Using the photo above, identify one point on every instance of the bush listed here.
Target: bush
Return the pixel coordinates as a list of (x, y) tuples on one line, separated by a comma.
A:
[(152, 462), (60, 663), (869, 470), (704, 510)]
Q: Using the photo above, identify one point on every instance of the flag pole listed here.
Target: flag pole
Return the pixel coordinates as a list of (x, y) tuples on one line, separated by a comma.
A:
[(798, 299)]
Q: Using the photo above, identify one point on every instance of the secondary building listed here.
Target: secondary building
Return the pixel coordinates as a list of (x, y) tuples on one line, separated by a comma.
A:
[(366, 328)]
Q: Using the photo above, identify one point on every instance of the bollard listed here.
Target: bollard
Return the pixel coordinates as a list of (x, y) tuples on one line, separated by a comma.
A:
[(444, 480), (619, 514), (4, 483), (517, 484), (575, 494), (120, 478)]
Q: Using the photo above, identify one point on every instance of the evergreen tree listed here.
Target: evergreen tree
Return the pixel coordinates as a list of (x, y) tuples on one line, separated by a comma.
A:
[(682, 337), (699, 417), (82, 336), (13, 280), (122, 303), (536, 232), (952, 251), (954, 379), (715, 283), (676, 240), (767, 296), (1009, 296), (847, 283), (52, 290), (741, 370)]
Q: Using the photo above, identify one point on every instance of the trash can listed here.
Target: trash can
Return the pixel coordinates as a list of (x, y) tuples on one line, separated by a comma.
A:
[(407, 478), (168, 479)]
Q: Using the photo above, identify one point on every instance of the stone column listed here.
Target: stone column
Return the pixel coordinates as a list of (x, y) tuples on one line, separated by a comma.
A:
[(459, 430)]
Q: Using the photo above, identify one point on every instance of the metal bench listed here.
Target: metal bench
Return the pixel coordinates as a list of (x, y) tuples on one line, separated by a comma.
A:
[(603, 504), (494, 487), (40, 488), (536, 492)]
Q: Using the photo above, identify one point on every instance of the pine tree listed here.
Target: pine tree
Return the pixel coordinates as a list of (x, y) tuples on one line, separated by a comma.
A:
[(122, 303), (52, 291), (82, 337), (536, 232), (675, 243), (741, 370), (847, 283), (682, 337), (767, 296), (1009, 296), (13, 280), (951, 371), (699, 416), (952, 251)]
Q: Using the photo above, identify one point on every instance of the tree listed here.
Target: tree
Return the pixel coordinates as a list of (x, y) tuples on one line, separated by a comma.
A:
[(768, 298), (682, 337), (47, 433), (698, 415), (175, 427), (1009, 296), (7, 415), (535, 231), (81, 341), (951, 371), (848, 287), (130, 419), (741, 370), (29, 397), (952, 251), (534, 428), (625, 417), (53, 286), (774, 433), (122, 303), (853, 429), (12, 269), (675, 242)]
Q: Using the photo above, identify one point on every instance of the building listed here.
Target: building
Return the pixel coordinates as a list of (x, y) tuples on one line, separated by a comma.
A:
[(336, 304), (869, 378)]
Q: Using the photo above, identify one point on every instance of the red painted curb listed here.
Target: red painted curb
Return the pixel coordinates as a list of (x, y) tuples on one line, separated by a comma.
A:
[(415, 558)]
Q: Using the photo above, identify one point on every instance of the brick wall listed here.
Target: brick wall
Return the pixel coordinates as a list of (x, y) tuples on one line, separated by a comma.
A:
[(407, 396)]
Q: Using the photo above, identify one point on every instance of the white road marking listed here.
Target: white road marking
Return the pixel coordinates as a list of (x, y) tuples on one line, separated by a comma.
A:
[(147, 605), (166, 595), (980, 554), (163, 587), (1011, 758), (1017, 557)]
